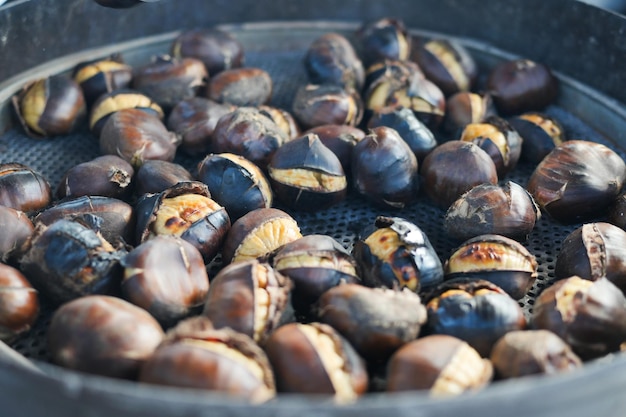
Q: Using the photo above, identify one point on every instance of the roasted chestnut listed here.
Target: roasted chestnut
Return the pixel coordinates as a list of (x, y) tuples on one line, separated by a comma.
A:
[(107, 175), (382, 39), (137, 136), (103, 335), (617, 212), (331, 59), (154, 176), (540, 134), (218, 49), (376, 321), (340, 139), (241, 87), (249, 297), (258, 233), (473, 310), (496, 259), (166, 277), (530, 352), (22, 188), (316, 105), (16, 229), (235, 183), (306, 175), (395, 253), (283, 119), (384, 168), (522, 85), (444, 365), (315, 359), (102, 76), (506, 209), (464, 108), (589, 315), (577, 181), (50, 106), (19, 303), (117, 100), (185, 210), (455, 167)]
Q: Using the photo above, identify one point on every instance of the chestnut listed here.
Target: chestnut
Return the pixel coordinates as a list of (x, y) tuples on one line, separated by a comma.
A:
[(454, 168), (540, 134), (385, 38), (384, 168), (443, 365), (16, 229), (22, 188), (166, 277), (235, 183), (340, 139), (521, 85), (185, 210), (249, 297), (331, 59), (397, 253), (102, 76), (316, 105), (315, 359), (496, 259), (218, 49), (376, 321), (137, 136), (50, 106), (473, 310), (103, 335), (577, 180), (154, 176), (257, 233), (116, 100), (19, 303), (507, 210), (283, 119), (617, 212), (464, 108), (306, 175), (107, 175), (589, 315), (241, 87), (530, 352)]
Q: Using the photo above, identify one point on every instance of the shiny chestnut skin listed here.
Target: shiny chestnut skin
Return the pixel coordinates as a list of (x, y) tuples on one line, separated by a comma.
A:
[(497, 259), (376, 321), (166, 277), (283, 119), (50, 106), (617, 212), (19, 303), (507, 210), (396, 253), (306, 175), (16, 229), (594, 251), (22, 188), (316, 105), (340, 139), (241, 87), (249, 133), (589, 315), (185, 210), (249, 297), (521, 85), (476, 311), (154, 176), (444, 365), (107, 175), (385, 38), (577, 180), (137, 136), (531, 352), (218, 49), (384, 169), (235, 183), (315, 359), (454, 168), (103, 335), (540, 133), (464, 108), (116, 100), (331, 59), (102, 76)]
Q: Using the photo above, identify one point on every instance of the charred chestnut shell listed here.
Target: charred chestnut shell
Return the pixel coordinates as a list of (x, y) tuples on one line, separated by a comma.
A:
[(397, 253), (341, 139), (22, 188), (464, 108), (540, 134), (331, 59), (382, 39), (117, 100), (218, 49), (16, 229), (154, 176), (577, 181), (316, 105), (241, 87), (100, 77), (107, 175), (19, 303)]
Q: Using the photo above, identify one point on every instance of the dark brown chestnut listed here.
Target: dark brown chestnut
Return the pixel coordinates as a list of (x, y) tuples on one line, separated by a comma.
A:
[(577, 181), (22, 188), (154, 176), (315, 359), (384, 168), (306, 175), (117, 100), (444, 365), (218, 49), (107, 175), (19, 303), (331, 59), (385, 38), (166, 277), (283, 119), (496, 259), (473, 310), (340, 139), (589, 315), (16, 229), (103, 335), (507, 210), (464, 108), (316, 105), (522, 85), (395, 253), (241, 87), (455, 167), (617, 212), (102, 76), (540, 134)]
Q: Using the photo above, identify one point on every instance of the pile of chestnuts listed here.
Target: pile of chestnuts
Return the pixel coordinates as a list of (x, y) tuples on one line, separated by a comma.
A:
[(187, 275)]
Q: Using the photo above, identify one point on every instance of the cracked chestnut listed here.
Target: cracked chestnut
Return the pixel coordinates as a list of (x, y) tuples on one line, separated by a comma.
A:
[(154, 176), (241, 87), (464, 108), (218, 49), (316, 105), (22, 188), (283, 119), (101, 77), (385, 38), (341, 139), (16, 229), (331, 59), (540, 134), (19, 303), (117, 100), (107, 176)]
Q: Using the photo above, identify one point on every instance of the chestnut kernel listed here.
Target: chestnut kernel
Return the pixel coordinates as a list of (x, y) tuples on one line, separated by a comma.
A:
[(19, 303), (154, 176), (22, 188), (241, 87), (316, 105), (331, 59), (218, 49), (107, 176)]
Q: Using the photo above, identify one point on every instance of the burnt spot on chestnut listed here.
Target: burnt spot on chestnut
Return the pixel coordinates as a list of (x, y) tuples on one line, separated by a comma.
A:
[(116, 100), (19, 303), (22, 188), (341, 139), (466, 107), (386, 38), (218, 49), (540, 134), (241, 87), (154, 176), (16, 229), (316, 105), (101, 77), (107, 175), (331, 59)]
